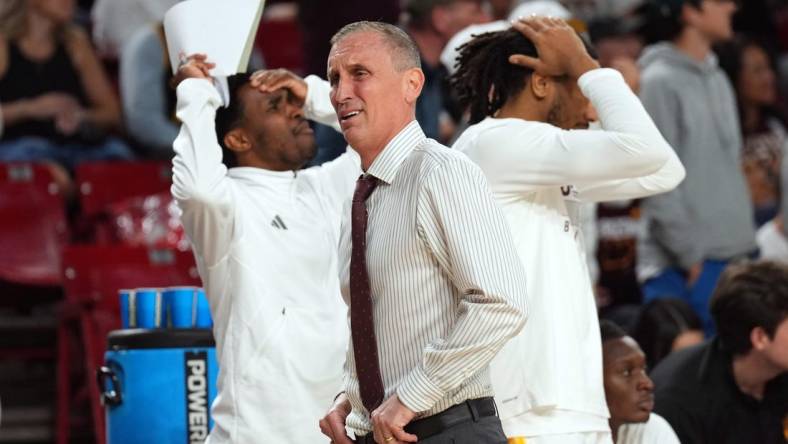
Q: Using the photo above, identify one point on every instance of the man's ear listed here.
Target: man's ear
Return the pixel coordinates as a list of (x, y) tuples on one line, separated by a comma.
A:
[(540, 86), (237, 141), (412, 83), (759, 338)]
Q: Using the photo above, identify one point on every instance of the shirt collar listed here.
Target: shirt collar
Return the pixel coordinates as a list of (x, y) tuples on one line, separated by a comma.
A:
[(262, 176), (386, 165)]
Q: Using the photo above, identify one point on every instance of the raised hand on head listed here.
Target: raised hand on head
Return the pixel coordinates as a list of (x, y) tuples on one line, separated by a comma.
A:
[(561, 51), (270, 80)]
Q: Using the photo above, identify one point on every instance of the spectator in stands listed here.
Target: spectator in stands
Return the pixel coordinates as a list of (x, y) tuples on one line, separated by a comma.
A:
[(751, 71), (148, 101), (116, 21), (630, 392), (664, 326), (431, 23), (57, 101), (706, 223), (733, 388)]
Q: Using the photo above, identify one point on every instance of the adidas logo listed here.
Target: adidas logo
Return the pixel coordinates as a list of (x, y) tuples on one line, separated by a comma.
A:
[(278, 223)]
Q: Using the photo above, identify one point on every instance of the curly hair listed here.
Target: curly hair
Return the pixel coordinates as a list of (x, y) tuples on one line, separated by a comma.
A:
[(485, 79)]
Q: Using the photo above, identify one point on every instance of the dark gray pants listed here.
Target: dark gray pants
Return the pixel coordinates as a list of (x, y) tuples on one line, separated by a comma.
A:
[(485, 430)]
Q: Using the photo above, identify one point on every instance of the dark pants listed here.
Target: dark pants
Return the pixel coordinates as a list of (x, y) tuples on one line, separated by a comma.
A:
[(478, 429)]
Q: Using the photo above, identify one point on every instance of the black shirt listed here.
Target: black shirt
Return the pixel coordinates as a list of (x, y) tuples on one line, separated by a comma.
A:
[(696, 393)]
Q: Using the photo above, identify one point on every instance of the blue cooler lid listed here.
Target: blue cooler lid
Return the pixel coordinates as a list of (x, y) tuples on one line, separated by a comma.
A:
[(137, 338)]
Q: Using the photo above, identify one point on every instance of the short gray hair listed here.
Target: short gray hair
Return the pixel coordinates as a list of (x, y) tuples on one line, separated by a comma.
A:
[(405, 54)]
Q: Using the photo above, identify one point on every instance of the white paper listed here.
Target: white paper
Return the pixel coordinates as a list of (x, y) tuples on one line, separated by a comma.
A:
[(224, 30)]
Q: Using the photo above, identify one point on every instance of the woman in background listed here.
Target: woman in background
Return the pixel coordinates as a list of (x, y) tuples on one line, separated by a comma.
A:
[(57, 103), (752, 74), (664, 326)]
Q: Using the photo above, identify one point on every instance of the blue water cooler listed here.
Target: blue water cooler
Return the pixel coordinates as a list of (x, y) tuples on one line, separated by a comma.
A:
[(158, 385)]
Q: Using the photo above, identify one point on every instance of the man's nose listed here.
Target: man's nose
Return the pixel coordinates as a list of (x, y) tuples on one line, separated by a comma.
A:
[(645, 383), (342, 90), (591, 114), (295, 111)]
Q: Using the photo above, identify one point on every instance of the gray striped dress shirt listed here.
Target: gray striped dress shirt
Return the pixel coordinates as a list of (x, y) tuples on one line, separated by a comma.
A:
[(448, 289)]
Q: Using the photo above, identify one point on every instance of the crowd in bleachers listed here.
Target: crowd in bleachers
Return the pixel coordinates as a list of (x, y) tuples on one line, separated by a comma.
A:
[(85, 92)]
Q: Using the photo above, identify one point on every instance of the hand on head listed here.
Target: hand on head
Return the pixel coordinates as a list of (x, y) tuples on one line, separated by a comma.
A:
[(561, 51), (196, 66), (270, 80)]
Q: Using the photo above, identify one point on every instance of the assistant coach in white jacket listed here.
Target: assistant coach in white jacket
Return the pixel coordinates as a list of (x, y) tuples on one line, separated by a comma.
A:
[(265, 235), (530, 139)]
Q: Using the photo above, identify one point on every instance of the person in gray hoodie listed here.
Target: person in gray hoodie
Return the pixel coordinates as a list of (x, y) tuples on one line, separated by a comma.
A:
[(697, 229)]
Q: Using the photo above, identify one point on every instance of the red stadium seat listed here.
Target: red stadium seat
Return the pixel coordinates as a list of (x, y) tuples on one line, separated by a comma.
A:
[(33, 225), (281, 44), (104, 183), (92, 276)]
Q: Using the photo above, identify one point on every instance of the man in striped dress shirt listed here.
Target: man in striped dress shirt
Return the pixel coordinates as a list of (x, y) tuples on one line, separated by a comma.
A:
[(433, 281)]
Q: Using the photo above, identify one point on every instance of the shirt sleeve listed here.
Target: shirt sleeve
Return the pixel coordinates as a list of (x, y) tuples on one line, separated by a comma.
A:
[(200, 183), (663, 180), (317, 106), (526, 155), (338, 177), (459, 221), (671, 220), (142, 88)]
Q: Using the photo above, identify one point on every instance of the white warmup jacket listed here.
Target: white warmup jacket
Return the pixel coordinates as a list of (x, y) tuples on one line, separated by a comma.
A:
[(654, 431), (548, 379), (266, 245)]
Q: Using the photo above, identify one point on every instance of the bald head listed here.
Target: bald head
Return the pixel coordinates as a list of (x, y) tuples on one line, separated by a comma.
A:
[(404, 52)]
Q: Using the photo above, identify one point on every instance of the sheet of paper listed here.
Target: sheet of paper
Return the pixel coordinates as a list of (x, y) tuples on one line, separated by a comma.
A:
[(224, 30)]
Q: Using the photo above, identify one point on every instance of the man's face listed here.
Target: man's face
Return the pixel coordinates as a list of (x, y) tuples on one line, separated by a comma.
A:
[(776, 351), (280, 135), (628, 389), (713, 19), (570, 109), (367, 91)]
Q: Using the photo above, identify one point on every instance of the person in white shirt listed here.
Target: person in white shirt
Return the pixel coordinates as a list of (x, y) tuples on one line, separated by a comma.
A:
[(630, 392), (265, 235), (529, 135)]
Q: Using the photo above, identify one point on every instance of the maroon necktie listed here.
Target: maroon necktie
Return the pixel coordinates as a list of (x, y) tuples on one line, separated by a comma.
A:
[(362, 327)]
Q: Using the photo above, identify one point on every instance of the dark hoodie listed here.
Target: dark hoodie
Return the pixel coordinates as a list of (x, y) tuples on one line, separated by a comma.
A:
[(709, 215)]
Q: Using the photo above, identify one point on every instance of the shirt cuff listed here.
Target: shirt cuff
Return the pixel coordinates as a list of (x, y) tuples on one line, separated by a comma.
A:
[(417, 392), (192, 89)]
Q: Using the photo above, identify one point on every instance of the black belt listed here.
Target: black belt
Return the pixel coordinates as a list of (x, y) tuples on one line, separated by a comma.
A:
[(470, 410)]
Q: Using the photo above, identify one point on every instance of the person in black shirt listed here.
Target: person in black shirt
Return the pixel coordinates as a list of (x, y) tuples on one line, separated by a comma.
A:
[(733, 388)]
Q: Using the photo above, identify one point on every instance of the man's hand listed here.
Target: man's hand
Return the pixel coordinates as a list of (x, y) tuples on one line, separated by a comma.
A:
[(270, 80), (333, 424), (196, 66), (560, 50), (389, 421)]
